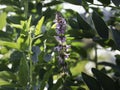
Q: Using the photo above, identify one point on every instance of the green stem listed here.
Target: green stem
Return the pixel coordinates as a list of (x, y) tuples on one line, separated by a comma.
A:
[(30, 60), (96, 58), (26, 8)]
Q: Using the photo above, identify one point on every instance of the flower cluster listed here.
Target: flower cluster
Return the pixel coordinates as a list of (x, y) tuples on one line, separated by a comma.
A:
[(62, 47)]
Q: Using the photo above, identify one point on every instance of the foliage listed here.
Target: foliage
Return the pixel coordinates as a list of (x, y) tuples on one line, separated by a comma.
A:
[(27, 57)]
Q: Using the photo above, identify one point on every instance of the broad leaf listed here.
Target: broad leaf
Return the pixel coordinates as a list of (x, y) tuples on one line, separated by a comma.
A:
[(45, 79), (2, 20), (100, 25), (116, 2), (76, 2), (39, 26), (113, 66), (52, 3), (106, 82), (116, 37), (105, 2), (82, 23), (91, 82)]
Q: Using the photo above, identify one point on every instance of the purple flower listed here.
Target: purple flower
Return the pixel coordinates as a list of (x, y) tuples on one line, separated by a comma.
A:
[(60, 39), (61, 24), (61, 60), (58, 48), (62, 48)]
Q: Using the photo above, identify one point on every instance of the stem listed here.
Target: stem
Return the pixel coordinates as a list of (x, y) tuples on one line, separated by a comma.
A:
[(30, 60), (26, 8), (96, 58)]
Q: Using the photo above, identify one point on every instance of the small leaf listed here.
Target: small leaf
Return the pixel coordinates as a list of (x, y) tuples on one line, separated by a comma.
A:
[(3, 82), (2, 20), (16, 26), (116, 2), (39, 26), (53, 26), (23, 72), (91, 82), (5, 75), (100, 25), (28, 23), (9, 44), (106, 82)]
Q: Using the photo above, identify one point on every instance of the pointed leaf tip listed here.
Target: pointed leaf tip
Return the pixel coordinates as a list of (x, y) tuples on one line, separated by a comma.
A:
[(39, 26)]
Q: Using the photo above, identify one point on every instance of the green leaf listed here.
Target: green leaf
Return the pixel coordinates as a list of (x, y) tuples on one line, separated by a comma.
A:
[(16, 26), (91, 82), (2, 20), (4, 83), (91, 1), (76, 2), (54, 26), (78, 68), (105, 2), (113, 66), (116, 37), (9, 44), (52, 3), (45, 79), (82, 23), (23, 72), (100, 25), (28, 23), (73, 23), (57, 85), (106, 82), (5, 75), (39, 26), (116, 2)]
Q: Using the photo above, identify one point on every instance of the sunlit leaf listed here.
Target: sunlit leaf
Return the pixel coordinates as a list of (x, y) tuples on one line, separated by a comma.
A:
[(53, 26), (4, 82), (28, 23), (9, 44), (2, 20), (78, 68), (39, 26)]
